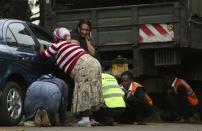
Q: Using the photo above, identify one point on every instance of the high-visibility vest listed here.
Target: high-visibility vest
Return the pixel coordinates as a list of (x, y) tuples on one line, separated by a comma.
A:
[(133, 87), (191, 96), (111, 91)]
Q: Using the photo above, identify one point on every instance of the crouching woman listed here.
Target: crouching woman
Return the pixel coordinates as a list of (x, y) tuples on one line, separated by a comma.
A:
[(83, 68)]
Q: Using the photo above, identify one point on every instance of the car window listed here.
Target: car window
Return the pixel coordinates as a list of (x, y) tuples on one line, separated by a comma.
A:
[(10, 39), (22, 35), (42, 36)]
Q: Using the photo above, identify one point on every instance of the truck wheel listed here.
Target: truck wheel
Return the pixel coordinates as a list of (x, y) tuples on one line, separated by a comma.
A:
[(11, 104)]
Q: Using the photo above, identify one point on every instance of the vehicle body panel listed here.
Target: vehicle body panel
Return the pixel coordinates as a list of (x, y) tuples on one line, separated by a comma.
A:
[(16, 61)]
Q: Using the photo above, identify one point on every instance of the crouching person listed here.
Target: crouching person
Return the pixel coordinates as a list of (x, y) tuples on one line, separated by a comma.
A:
[(46, 102), (182, 101), (139, 104), (114, 104)]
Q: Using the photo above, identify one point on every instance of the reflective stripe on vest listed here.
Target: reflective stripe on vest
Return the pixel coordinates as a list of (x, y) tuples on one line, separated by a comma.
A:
[(113, 95), (110, 86), (191, 96)]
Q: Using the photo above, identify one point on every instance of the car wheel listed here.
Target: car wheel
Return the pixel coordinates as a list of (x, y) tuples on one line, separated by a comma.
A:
[(11, 104)]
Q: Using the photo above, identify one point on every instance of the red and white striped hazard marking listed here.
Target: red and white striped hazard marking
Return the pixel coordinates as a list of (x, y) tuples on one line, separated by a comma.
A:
[(149, 33)]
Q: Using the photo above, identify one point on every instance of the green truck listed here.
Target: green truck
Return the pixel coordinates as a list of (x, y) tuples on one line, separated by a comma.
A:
[(154, 37)]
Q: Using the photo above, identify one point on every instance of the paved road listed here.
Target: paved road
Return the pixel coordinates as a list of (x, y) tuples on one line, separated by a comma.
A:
[(149, 127)]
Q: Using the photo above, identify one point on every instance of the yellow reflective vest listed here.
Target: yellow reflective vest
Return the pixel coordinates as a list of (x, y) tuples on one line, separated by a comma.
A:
[(112, 93)]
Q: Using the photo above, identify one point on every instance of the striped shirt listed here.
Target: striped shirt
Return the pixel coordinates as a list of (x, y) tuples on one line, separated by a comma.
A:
[(66, 54)]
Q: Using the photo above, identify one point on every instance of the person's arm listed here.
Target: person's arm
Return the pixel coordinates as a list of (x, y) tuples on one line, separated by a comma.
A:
[(91, 49), (140, 94), (75, 39), (129, 94), (47, 53), (42, 52), (182, 93)]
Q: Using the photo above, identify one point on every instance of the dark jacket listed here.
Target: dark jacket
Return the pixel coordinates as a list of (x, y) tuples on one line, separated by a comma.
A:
[(76, 36)]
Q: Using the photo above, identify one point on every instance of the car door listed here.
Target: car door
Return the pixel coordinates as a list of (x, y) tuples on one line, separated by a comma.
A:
[(23, 47), (43, 37)]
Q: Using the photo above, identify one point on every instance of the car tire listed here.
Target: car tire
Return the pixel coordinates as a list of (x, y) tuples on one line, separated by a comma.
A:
[(11, 104)]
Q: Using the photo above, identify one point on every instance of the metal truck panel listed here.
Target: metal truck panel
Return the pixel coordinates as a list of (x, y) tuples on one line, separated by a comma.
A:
[(119, 25)]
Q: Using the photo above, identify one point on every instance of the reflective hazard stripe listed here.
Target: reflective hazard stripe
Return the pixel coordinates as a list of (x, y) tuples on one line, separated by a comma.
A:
[(113, 95), (149, 33), (109, 87)]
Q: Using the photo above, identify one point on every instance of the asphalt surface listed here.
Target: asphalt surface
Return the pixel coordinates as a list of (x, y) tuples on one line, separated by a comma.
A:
[(148, 127)]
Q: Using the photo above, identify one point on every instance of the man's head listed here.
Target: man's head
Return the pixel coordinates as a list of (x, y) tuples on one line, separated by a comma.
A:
[(61, 34), (126, 79)]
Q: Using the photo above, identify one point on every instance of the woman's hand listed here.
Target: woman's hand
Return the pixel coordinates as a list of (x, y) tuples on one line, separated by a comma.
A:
[(91, 49), (41, 48), (129, 94)]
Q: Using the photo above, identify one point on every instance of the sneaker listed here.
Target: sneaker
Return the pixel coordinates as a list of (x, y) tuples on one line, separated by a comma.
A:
[(54, 120), (29, 123), (84, 123), (44, 118), (37, 117)]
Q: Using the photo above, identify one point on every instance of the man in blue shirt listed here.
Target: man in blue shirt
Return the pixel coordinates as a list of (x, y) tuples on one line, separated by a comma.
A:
[(46, 102)]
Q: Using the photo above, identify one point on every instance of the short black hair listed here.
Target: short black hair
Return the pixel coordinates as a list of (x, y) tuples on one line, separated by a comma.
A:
[(84, 21), (127, 73)]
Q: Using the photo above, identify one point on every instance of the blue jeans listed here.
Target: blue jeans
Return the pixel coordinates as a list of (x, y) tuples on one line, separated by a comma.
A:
[(42, 95)]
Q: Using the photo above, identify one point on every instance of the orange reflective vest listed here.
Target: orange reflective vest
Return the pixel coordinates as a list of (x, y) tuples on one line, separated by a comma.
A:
[(133, 88), (191, 96)]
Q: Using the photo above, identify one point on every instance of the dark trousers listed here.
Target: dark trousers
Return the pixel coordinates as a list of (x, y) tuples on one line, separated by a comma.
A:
[(179, 105), (62, 108), (108, 115), (137, 110), (64, 104)]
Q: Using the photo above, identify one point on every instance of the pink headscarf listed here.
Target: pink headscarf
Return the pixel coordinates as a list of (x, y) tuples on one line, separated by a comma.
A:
[(62, 34)]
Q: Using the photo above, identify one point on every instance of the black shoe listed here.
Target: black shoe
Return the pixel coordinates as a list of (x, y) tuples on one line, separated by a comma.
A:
[(141, 123), (140, 120), (108, 121), (107, 124), (54, 120), (186, 120)]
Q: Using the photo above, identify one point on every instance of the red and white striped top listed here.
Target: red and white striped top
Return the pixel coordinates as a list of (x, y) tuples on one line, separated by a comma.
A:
[(66, 54)]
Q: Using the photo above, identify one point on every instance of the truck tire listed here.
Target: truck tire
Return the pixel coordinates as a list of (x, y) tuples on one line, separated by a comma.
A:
[(11, 104)]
